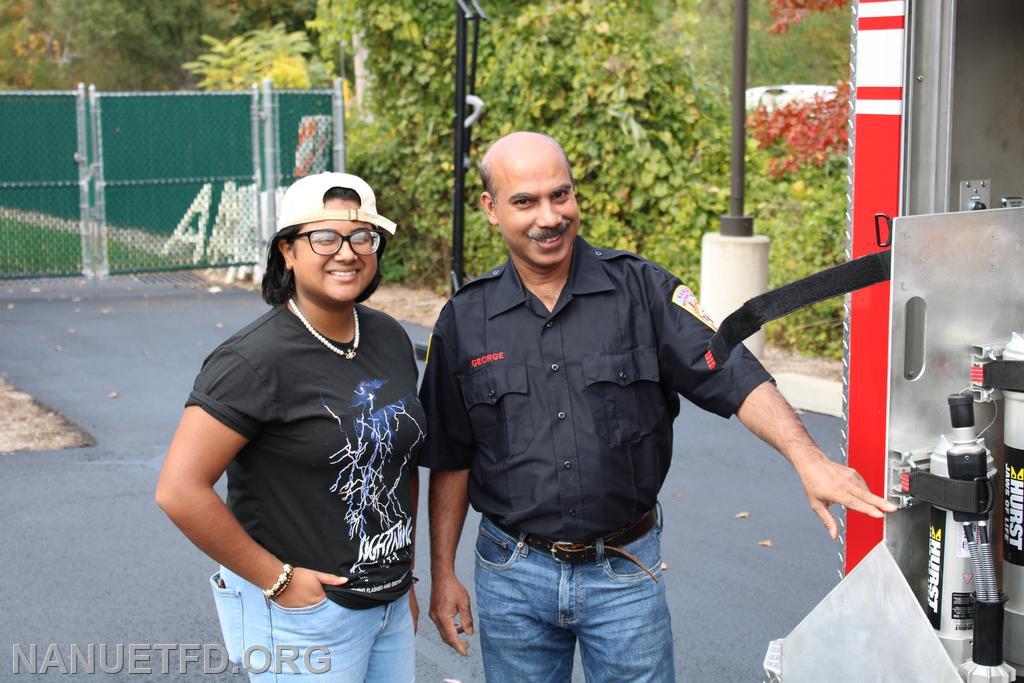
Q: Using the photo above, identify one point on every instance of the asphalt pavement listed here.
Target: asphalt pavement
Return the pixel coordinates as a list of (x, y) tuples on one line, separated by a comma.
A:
[(88, 558)]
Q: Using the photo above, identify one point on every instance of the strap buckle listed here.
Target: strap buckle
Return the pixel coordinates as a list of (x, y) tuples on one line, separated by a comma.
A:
[(566, 547)]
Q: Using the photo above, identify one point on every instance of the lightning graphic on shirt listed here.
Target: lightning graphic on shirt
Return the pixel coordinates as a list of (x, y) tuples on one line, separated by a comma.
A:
[(361, 482)]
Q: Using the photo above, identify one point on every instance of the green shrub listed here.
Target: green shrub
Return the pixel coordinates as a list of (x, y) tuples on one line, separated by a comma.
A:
[(616, 84)]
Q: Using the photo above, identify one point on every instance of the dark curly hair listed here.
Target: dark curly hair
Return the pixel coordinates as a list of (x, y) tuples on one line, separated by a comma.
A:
[(279, 282)]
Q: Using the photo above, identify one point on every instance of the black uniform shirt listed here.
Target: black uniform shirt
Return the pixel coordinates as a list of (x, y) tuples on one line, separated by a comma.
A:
[(565, 418)]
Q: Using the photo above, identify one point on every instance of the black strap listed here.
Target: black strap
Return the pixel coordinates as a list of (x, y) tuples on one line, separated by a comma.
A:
[(748, 319), (959, 495), (1005, 374)]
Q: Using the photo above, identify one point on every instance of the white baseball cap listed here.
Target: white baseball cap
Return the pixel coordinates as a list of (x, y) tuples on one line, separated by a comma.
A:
[(304, 202)]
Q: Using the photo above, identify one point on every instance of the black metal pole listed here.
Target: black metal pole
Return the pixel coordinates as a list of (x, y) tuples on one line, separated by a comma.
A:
[(467, 131), (458, 196), (734, 223)]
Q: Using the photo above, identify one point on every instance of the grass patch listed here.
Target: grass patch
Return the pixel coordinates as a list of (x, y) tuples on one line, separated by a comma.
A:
[(29, 250)]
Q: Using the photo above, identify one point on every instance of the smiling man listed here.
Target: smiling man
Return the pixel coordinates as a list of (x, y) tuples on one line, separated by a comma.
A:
[(551, 387)]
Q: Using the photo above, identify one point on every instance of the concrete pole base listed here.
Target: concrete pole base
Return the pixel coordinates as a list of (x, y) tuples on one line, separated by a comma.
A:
[(732, 270)]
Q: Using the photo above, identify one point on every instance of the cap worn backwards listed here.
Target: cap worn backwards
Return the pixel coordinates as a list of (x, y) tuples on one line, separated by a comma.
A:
[(304, 202)]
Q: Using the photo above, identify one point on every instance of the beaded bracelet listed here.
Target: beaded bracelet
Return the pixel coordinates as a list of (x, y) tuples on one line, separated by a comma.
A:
[(282, 582)]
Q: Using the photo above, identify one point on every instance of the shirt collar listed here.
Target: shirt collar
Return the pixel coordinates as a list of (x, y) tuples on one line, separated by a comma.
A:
[(586, 276)]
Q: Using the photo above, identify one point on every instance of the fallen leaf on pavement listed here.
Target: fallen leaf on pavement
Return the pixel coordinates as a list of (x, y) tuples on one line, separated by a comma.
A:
[(34, 290), (56, 348), (219, 326), (113, 394), (214, 290), (71, 330), (105, 310), (767, 543), (742, 515), (10, 306)]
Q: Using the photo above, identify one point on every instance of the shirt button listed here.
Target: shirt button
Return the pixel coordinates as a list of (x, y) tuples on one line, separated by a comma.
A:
[(548, 324), (572, 512), (567, 465), (554, 367), (561, 414), (490, 393), (623, 376)]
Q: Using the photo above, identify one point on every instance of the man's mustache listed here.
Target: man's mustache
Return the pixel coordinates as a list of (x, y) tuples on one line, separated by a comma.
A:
[(550, 233)]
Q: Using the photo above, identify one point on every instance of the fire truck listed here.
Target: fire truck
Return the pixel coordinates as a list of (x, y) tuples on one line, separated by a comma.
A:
[(934, 355)]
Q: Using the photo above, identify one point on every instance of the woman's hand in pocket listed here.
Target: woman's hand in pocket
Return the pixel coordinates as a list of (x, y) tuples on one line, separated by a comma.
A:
[(307, 588)]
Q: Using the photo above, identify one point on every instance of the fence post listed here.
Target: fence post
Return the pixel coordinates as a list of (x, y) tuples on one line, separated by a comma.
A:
[(270, 158), (257, 178), (338, 110), (99, 213), (84, 180)]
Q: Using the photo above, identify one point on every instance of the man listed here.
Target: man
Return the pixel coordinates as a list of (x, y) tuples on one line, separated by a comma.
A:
[(551, 386)]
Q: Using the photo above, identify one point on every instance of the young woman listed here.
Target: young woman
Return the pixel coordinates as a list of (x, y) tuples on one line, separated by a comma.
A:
[(312, 411)]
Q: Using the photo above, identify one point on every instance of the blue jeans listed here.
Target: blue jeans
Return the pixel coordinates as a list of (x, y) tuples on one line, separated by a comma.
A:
[(324, 642), (533, 609)]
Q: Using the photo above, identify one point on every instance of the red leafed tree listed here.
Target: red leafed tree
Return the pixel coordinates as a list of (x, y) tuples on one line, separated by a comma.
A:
[(799, 133), (788, 12), (807, 132)]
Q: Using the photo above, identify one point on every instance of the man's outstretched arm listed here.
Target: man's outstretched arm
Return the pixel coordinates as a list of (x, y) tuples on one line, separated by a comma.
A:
[(768, 415), (448, 500)]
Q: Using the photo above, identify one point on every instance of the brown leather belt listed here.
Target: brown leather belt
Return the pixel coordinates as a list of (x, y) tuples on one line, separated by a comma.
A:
[(575, 553)]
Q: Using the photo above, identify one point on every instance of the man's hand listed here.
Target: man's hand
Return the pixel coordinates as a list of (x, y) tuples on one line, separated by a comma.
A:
[(448, 599), (767, 414), (827, 482)]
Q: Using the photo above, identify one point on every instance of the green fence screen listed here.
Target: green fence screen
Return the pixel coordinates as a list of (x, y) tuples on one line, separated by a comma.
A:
[(304, 133), (40, 229), (178, 181), (168, 180)]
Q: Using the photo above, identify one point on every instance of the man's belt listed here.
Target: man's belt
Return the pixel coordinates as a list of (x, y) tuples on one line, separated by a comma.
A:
[(577, 553)]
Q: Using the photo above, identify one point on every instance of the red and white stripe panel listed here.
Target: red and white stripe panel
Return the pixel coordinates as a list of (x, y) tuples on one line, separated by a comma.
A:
[(878, 114)]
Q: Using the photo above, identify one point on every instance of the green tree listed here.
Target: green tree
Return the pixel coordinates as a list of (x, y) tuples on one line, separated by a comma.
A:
[(247, 15), (610, 80), (132, 44), (810, 46), (276, 53), (32, 54)]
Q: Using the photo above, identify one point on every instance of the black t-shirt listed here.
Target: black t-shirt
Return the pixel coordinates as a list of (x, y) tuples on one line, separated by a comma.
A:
[(323, 482)]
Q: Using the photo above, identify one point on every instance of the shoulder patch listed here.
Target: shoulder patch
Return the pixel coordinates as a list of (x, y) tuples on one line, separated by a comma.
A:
[(684, 299)]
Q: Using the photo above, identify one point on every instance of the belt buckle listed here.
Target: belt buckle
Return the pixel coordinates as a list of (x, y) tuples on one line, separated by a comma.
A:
[(557, 546)]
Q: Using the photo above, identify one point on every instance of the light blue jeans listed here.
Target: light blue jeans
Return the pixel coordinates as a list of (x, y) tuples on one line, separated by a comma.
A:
[(533, 609), (324, 642)]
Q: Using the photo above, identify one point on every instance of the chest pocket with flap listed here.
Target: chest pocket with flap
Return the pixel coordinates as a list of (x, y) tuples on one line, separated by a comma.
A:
[(498, 402), (624, 393)]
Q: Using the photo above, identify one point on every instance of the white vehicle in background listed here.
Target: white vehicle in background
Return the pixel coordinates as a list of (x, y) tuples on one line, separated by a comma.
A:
[(774, 96)]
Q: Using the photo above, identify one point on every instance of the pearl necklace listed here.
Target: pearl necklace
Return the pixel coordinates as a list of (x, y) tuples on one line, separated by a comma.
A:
[(351, 353)]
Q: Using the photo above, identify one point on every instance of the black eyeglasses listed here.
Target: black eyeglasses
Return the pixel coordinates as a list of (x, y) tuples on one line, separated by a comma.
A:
[(328, 242)]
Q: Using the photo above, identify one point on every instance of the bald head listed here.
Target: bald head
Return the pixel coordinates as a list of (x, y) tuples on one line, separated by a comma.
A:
[(517, 149)]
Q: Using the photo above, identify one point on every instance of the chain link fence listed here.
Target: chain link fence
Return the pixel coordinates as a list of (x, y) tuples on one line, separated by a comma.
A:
[(41, 231), (118, 183)]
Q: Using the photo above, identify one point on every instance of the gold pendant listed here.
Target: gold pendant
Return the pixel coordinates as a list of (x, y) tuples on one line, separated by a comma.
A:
[(350, 354)]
